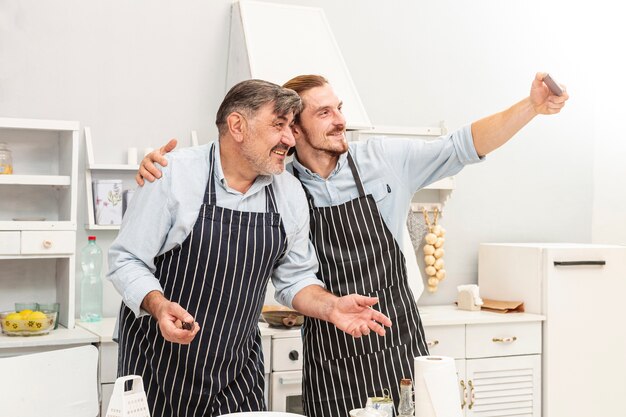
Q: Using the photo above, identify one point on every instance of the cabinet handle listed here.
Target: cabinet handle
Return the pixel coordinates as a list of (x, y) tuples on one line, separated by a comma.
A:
[(471, 385), (47, 244), (579, 263), (464, 403), (432, 343), (504, 339)]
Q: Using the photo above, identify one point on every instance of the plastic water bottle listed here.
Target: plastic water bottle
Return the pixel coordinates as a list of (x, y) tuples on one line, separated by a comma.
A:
[(91, 283)]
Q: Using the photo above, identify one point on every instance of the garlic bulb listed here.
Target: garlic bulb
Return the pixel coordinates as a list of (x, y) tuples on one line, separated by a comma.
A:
[(433, 252), (431, 238)]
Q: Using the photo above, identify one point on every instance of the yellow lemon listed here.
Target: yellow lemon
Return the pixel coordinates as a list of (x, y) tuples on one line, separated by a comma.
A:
[(13, 322), (37, 321), (14, 316), (25, 314), (36, 315)]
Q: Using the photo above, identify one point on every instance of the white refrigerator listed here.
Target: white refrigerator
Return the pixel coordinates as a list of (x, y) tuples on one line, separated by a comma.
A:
[(581, 289)]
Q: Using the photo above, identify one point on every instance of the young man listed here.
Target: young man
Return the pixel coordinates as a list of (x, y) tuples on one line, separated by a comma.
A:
[(198, 247), (359, 196)]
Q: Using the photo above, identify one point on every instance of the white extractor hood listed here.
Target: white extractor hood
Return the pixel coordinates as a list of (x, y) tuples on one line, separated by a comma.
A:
[(276, 42)]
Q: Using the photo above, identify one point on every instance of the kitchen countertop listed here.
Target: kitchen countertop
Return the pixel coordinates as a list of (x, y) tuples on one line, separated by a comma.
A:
[(57, 337), (448, 315), (442, 315), (103, 328)]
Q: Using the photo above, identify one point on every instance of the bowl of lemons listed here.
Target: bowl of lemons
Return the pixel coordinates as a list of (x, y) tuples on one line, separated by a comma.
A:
[(27, 322)]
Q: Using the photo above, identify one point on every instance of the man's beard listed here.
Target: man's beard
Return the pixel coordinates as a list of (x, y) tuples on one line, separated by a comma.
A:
[(327, 146), (263, 164)]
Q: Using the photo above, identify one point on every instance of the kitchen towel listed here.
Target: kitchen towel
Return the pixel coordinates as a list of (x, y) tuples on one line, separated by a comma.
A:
[(436, 387)]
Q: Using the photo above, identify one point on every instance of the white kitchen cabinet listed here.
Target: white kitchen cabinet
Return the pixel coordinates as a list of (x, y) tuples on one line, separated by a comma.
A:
[(580, 289), (107, 358), (38, 220), (498, 358)]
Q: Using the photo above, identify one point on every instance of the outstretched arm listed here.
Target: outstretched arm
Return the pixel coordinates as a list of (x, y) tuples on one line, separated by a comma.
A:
[(351, 313), (493, 131), (147, 170)]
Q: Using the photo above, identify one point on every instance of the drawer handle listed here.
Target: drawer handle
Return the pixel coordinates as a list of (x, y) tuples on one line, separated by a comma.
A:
[(504, 339), (464, 403), (288, 381), (47, 244), (432, 343), (294, 355)]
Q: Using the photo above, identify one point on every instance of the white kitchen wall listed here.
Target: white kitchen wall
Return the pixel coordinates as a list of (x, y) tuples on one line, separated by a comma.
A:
[(141, 72)]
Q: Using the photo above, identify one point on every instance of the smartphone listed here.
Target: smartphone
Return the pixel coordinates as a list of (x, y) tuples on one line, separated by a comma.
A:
[(553, 86)]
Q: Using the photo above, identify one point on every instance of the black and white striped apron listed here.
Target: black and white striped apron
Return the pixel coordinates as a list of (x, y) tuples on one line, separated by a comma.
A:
[(358, 254), (219, 275)]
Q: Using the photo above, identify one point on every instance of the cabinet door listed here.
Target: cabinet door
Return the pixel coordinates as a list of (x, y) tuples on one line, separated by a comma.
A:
[(506, 386)]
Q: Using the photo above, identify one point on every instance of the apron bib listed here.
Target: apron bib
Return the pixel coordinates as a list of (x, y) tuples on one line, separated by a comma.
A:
[(358, 254), (219, 275)]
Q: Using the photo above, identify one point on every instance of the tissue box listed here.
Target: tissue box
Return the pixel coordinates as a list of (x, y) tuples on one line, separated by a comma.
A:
[(107, 196)]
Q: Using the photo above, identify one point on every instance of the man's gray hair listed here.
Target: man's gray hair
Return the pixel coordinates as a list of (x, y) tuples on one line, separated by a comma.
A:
[(249, 96)]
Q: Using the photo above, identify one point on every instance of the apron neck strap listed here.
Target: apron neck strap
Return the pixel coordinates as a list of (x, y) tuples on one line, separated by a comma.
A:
[(355, 174), (309, 197), (270, 199), (209, 192)]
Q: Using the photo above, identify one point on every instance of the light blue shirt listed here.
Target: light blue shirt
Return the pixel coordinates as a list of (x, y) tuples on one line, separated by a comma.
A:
[(392, 170), (162, 214)]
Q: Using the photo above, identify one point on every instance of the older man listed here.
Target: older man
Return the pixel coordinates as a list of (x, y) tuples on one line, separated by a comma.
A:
[(201, 245), (359, 195)]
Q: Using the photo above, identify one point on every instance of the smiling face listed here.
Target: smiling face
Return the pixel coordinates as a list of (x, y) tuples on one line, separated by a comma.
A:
[(322, 123), (266, 140)]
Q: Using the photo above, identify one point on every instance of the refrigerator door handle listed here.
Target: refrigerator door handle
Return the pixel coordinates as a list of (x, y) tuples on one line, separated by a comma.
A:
[(578, 263)]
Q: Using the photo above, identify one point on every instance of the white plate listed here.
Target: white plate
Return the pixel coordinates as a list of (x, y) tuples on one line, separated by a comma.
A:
[(29, 219)]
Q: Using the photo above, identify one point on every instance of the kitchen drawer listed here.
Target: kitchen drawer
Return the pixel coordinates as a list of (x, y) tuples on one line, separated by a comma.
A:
[(502, 339), (44, 242), (446, 340), (287, 354), (9, 243), (108, 362)]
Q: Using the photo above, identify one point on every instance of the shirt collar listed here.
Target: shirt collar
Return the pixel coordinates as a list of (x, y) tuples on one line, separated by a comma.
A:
[(218, 173), (343, 158)]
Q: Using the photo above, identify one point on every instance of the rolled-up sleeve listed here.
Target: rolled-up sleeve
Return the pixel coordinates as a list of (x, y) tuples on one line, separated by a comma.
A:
[(142, 234)]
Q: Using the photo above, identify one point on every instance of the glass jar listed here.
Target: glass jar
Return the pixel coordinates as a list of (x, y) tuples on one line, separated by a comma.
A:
[(6, 160), (406, 407)]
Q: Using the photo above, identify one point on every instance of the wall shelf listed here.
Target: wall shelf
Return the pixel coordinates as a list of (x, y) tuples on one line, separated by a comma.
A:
[(113, 167), (54, 180)]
